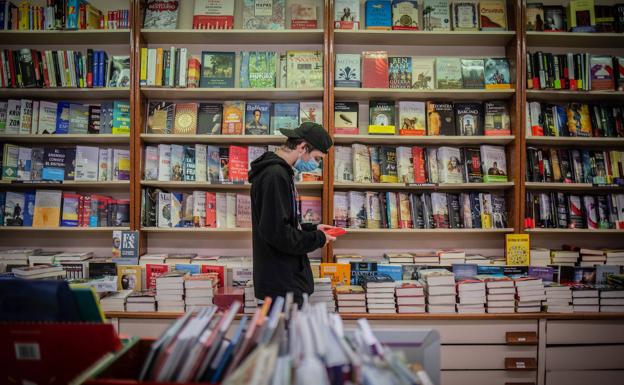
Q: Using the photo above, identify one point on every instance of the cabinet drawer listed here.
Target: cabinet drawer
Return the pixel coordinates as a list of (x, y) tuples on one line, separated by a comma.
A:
[(482, 356), (486, 377), (584, 377), (584, 332), (461, 331), (585, 357)]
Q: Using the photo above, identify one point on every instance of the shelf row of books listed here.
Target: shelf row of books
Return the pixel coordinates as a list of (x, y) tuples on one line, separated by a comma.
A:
[(56, 208), (29, 68), (60, 15), (574, 71), (230, 117), (79, 163), (374, 69), (419, 165), (574, 119), (575, 166), (30, 117), (425, 118), (392, 210), (581, 257), (428, 15), (211, 164), (559, 210), (577, 16), (175, 67), (164, 14)]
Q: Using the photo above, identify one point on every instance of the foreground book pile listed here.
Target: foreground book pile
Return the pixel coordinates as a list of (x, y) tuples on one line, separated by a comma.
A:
[(284, 345)]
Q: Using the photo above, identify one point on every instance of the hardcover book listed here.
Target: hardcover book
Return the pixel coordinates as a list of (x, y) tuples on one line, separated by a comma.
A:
[(348, 70), (497, 73), (448, 73), (264, 14), (440, 119), (465, 16), (378, 14), (217, 69), (375, 69), (493, 15), (347, 14), (400, 72), (494, 163), (257, 118), (412, 119), (233, 118), (405, 15), (473, 73), (209, 118), (436, 15), (185, 119), (381, 118), (469, 118), (304, 69), (161, 14)]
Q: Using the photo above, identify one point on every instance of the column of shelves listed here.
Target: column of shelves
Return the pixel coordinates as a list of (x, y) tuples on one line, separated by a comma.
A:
[(559, 43), (114, 42)]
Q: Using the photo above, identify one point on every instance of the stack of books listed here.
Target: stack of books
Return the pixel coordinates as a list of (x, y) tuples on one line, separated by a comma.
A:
[(585, 298), (170, 291), (558, 298), (564, 257), (379, 294), (612, 297), (76, 265), (43, 257), (476, 259), (615, 257), (199, 290), (529, 294), (152, 259), (439, 286), (540, 257), (141, 302), (115, 301), (400, 258), (39, 272), (323, 293), (251, 303), (451, 257), (427, 259), (410, 297), (16, 257), (590, 257), (501, 294), (350, 299), (471, 296)]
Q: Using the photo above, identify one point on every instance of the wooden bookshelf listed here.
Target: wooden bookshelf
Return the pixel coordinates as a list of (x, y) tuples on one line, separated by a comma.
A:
[(573, 141), (164, 93), (238, 230), (573, 96), (67, 138), (62, 229), (233, 36), (87, 36), (571, 187), (426, 231), (574, 231), (68, 184), (214, 186), (67, 93), (440, 187), (216, 139), (574, 39), (423, 38), (424, 140), (347, 93)]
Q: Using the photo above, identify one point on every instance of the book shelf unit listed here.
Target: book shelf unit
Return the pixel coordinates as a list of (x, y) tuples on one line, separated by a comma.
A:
[(114, 42), (562, 42), (428, 43)]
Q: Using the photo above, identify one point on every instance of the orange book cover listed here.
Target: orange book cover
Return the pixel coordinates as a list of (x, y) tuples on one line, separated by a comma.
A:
[(233, 116), (159, 66), (211, 210), (339, 273)]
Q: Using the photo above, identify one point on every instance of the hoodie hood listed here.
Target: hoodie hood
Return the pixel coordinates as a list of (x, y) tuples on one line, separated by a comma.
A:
[(267, 159)]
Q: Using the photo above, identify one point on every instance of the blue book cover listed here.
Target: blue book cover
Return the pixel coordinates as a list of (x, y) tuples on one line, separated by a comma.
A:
[(2, 199), (285, 115), (72, 16), (393, 271), (602, 271), (561, 120), (53, 164), (257, 118), (227, 356), (94, 68), (3, 17), (192, 269), (588, 176), (126, 261), (378, 14), (516, 271), (491, 270), (62, 118), (362, 269), (465, 270), (545, 273), (29, 208)]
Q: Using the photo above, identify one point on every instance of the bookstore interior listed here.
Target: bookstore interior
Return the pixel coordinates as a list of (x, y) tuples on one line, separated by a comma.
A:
[(470, 204)]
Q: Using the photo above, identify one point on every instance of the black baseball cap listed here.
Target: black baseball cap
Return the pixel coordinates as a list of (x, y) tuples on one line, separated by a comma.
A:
[(313, 133)]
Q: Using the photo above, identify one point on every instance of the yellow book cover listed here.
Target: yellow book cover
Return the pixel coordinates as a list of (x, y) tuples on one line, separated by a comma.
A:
[(517, 249), (143, 78), (47, 208), (233, 114), (579, 120), (24, 9), (159, 66), (185, 122), (381, 130), (492, 15), (129, 277), (339, 273), (581, 13)]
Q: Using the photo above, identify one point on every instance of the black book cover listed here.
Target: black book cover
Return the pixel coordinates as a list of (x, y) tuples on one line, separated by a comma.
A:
[(603, 212), (150, 197), (618, 15), (53, 163), (472, 163), (388, 165), (440, 119), (548, 173), (27, 68), (561, 219), (608, 115), (70, 163), (189, 163), (94, 119), (102, 269), (454, 211), (565, 165), (499, 211), (384, 211), (469, 119), (475, 210), (417, 211), (209, 117), (427, 211)]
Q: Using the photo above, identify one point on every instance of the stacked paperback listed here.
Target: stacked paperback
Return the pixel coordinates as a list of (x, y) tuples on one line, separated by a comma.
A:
[(40, 272), (350, 299), (115, 301), (410, 297), (585, 299), (379, 294), (251, 303), (471, 296), (612, 297), (501, 294), (140, 302), (558, 298), (199, 290), (529, 294), (539, 257), (323, 293), (439, 286), (170, 291)]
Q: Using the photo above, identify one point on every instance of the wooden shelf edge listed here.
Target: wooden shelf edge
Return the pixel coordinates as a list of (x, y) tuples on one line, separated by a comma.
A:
[(52, 229)]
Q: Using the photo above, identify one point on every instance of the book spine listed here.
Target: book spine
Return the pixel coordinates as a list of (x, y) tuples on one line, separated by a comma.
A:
[(143, 72)]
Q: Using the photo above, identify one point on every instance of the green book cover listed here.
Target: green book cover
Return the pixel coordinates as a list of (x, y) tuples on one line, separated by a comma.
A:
[(217, 69), (121, 118), (258, 69)]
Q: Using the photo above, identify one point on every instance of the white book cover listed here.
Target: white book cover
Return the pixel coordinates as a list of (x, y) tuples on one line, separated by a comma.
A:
[(450, 168), (436, 15), (87, 163), (26, 116), (3, 115), (432, 162), (361, 164), (412, 120), (230, 218), (343, 167), (199, 208), (222, 210), (176, 164), (176, 209), (164, 162), (405, 164), (311, 112), (347, 14), (423, 73), (35, 118), (103, 165), (348, 70), (13, 117), (164, 209), (201, 157), (47, 117), (150, 170), (24, 163), (151, 67)]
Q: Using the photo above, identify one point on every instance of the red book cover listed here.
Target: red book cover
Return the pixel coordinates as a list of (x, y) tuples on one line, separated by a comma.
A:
[(3, 82), (226, 296), (375, 69), (420, 174), (211, 210), (12, 68), (87, 210), (35, 56), (238, 164), (220, 270), (46, 73), (153, 271)]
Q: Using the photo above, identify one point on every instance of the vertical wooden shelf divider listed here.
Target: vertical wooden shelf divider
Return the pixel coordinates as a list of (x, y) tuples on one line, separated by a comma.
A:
[(514, 53), (328, 184), (521, 130)]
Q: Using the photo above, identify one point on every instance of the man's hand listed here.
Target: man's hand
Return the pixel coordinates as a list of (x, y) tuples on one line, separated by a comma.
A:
[(324, 228), (329, 238)]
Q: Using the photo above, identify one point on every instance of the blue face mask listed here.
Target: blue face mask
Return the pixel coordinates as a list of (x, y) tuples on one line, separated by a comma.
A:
[(306, 166)]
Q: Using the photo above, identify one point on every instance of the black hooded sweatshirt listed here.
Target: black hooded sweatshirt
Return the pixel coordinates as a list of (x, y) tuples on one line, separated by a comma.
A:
[(280, 242)]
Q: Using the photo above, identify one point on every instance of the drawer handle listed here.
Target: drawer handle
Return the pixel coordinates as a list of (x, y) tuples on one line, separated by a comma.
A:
[(520, 364), (521, 338)]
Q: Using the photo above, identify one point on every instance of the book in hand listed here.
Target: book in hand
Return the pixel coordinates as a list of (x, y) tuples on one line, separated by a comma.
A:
[(336, 231)]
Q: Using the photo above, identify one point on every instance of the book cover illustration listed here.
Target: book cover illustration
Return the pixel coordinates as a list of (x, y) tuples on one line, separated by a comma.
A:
[(303, 14), (492, 15), (436, 15), (185, 119), (448, 73), (405, 15), (473, 73), (258, 69), (400, 72), (378, 14), (381, 118), (257, 118), (264, 14), (233, 115), (161, 14), (347, 14), (497, 73), (217, 69), (412, 119), (465, 16), (348, 71), (304, 69)]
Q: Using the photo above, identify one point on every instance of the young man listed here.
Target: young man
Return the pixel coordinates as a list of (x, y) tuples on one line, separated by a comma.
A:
[(280, 242)]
